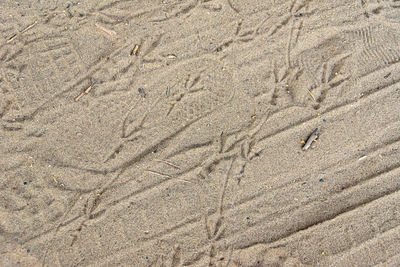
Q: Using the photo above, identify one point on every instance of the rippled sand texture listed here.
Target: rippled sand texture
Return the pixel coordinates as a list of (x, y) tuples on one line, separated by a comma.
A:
[(170, 133)]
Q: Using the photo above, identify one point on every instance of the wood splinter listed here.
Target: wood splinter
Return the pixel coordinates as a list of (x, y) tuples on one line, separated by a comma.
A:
[(135, 50), (110, 33), (311, 94), (83, 93), (79, 96), (24, 30), (313, 137), (88, 90)]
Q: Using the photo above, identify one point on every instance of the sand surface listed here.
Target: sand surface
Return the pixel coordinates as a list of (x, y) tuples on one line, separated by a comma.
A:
[(169, 133)]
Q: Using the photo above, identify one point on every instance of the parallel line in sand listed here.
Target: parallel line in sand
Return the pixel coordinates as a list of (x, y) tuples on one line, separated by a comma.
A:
[(369, 242), (261, 194), (347, 210), (396, 169), (135, 159), (196, 219), (127, 164), (181, 224), (372, 93), (329, 110), (192, 220), (318, 222)]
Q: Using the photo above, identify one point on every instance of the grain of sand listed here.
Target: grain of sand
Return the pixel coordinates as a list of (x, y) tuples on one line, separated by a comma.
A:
[(169, 133)]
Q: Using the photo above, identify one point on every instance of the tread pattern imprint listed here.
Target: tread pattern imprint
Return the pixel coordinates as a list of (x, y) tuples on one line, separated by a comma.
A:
[(167, 133)]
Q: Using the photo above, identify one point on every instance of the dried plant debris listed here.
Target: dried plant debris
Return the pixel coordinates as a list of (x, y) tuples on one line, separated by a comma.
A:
[(312, 138)]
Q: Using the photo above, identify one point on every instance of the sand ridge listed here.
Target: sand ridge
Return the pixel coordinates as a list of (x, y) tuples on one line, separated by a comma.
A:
[(170, 133)]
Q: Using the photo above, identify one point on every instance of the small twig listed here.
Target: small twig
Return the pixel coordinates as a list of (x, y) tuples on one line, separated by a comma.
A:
[(362, 158), (159, 173), (135, 50), (29, 27), (24, 30), (167, 175), (169, 163), (11, 38), (111, 33), (312, 138), (88, 90), (312, 96), (79, 96), (83, 93)]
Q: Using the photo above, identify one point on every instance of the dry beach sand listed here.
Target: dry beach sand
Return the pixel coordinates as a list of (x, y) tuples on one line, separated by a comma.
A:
[(169, 133)]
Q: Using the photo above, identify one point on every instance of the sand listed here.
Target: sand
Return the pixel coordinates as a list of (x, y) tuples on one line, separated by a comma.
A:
[(170, 133)]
